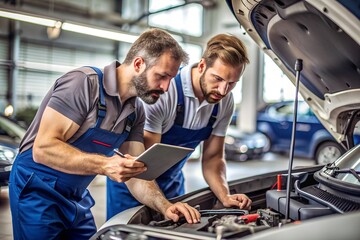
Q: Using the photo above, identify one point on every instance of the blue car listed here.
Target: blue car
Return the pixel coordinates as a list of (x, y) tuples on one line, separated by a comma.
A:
[(312, 139)]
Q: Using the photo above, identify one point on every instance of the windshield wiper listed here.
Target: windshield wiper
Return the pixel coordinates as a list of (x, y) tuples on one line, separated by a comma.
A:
[(349, 170)]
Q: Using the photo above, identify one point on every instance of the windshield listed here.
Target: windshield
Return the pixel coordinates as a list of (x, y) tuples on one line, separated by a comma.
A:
[(347, 167), (11, 129)]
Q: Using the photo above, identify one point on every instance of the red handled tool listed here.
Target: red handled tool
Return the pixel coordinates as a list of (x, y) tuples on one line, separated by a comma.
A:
[(250, 217)]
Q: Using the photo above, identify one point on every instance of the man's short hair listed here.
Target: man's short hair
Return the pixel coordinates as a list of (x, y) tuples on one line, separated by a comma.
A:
[(228, 48), (151, 44)]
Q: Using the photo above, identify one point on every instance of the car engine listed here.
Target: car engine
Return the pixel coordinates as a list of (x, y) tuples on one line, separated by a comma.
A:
[(318, 192)]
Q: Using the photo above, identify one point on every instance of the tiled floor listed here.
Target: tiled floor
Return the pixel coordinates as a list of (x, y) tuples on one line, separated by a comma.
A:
[(5, 219), (193, 175)]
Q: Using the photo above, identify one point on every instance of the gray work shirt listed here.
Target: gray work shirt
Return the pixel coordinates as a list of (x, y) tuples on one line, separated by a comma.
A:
[(76, 95)]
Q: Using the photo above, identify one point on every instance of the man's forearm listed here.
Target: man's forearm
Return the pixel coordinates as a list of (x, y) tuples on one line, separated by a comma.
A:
[(149, 194), (66, 158), (215, 176)]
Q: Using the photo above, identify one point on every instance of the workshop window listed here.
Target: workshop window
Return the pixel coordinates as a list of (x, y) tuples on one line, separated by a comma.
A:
[(277, 86), (194, 51), (187, 19)]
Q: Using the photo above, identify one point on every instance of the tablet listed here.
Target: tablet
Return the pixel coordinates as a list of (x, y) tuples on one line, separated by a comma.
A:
[(159, 158)]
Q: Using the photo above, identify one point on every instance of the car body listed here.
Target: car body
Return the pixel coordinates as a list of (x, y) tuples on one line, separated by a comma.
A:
[(239, 145), (317, 44), (317, 210), (11, 134), (312, 140), (242, 146)]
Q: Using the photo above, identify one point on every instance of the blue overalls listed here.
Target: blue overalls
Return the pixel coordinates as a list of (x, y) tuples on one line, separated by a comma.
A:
[(49, 204), (172, 181)]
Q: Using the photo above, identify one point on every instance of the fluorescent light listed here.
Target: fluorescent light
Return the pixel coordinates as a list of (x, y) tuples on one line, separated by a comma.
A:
[(72, 27), (45, 66), (97, 32), (177, 37), (28, 18)]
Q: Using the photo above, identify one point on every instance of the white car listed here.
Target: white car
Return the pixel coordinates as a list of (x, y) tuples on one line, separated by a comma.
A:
[(11, 134)]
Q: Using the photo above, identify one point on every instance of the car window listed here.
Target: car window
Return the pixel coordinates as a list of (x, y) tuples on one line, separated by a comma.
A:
[(357, 129), (11, 129), (356, 134), (285, 110), (288, 109), (303, 109)]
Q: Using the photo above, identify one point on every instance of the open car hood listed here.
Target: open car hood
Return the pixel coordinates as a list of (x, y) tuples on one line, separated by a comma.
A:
[(325, 35)]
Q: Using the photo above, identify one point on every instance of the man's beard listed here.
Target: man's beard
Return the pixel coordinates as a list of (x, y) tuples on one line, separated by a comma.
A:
[(143, 90), (207, 95)]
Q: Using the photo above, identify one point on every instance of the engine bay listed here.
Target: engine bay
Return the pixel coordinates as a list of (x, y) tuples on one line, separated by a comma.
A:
[(317, 193)]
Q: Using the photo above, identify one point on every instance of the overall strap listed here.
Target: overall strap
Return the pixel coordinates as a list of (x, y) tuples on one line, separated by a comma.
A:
[(101, 104), (213, 115), (179, 120)]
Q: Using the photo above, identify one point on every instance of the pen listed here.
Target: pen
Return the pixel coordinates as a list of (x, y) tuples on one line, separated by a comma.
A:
[(119, 153)]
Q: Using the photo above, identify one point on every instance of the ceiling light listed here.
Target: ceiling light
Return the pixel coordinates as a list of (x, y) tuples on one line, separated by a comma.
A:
[(68, 26), (29, 18), (97, 32)]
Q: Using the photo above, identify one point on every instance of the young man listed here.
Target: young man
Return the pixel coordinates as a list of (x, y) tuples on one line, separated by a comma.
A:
[(198, 107), (85, 115)]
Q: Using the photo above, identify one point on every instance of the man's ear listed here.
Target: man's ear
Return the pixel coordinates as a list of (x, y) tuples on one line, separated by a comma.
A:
[(139, 64), (201, 66)]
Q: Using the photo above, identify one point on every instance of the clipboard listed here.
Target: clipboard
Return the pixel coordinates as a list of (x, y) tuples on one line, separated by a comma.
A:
[(159, 158)]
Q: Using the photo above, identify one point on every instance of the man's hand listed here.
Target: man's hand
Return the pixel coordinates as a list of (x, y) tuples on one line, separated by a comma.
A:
[(122, 169), (237, 200), (182, 209)]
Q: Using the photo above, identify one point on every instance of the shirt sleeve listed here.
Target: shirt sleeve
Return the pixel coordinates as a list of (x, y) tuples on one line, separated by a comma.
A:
[(71, 96)]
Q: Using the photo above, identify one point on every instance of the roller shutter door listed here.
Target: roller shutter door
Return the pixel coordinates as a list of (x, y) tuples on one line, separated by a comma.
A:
[(41, 65), (3, 73)]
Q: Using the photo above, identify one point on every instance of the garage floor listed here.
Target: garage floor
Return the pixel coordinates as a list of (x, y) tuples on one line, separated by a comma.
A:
[(193, 175)]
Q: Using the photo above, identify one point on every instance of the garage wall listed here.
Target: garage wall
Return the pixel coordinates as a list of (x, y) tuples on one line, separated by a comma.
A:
[(40, 66), (40, 61), (3, 72)]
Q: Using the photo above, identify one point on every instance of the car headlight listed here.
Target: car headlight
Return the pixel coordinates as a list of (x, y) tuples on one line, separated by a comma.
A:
[(229, 140), (7, 154), (243, 148)]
